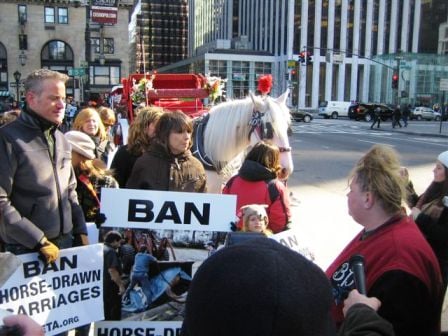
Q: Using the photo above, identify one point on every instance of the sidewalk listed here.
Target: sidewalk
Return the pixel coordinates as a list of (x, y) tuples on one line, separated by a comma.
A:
[(421, 128)]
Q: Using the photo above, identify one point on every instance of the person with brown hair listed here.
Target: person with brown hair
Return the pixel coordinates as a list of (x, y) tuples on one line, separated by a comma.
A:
[(141, 133), (257, 182), (168, 164), (401, 268), (430, 212)]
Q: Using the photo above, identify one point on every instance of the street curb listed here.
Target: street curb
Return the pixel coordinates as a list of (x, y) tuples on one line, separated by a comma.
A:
[(438, 135)]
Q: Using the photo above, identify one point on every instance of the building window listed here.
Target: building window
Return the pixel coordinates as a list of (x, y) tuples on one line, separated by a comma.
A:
[(23, 42), (22, 13), (108, 45), (3, 69), (49, 15), (57, 51), (62, 15), (104, 75)]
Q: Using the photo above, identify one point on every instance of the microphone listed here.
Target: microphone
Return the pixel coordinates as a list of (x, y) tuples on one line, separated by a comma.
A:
[(357, 267)]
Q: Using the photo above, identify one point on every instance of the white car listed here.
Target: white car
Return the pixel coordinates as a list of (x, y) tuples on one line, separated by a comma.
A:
[(425, 113)]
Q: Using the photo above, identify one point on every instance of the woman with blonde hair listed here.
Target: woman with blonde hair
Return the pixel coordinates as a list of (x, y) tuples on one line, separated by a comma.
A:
[(401, 270), (89, 122), (141, 133), (257, 182)]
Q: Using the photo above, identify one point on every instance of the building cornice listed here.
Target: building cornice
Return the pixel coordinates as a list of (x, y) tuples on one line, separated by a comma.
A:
[(72, 3)]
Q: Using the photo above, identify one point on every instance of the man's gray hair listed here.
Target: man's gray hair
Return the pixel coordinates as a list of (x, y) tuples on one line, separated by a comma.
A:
[(34, 80)]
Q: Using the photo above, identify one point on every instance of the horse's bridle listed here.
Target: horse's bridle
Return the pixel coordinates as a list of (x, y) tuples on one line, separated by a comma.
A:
[(264, 130)]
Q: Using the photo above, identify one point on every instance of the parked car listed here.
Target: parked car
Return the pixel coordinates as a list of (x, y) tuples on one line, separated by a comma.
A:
[(366, 111), (300, 115), (425, 113)]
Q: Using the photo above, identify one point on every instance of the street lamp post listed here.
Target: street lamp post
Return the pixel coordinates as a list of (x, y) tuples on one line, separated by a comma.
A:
[(17, 76)]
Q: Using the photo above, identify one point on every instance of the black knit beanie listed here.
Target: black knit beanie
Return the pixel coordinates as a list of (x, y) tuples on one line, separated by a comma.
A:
[(258, 288)]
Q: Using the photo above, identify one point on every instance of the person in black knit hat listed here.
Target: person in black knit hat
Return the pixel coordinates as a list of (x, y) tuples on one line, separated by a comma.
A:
[(263, 288)]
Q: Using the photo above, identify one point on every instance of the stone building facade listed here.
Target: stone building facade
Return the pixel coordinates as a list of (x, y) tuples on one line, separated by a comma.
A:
[(61, 36)]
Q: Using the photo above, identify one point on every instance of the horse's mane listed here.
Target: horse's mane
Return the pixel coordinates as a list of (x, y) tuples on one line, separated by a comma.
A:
[(227, 131)]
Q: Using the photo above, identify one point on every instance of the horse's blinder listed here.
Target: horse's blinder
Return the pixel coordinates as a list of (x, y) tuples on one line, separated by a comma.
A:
[(264, 130)]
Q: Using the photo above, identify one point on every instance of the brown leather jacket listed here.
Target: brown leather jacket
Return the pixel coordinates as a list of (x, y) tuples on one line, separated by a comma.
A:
[(158, 170)]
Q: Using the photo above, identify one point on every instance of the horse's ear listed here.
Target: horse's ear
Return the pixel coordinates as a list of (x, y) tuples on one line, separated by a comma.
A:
[(252, 96), (282, 99), (258, 103)]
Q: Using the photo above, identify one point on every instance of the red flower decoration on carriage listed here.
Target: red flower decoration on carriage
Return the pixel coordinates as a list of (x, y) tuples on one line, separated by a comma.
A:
[(265, 84)]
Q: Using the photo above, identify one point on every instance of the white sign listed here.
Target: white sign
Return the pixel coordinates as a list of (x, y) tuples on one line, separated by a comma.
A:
[(338, 58), (443, 84), (292, 239), (146, 328), (149, 209), (60, 296)]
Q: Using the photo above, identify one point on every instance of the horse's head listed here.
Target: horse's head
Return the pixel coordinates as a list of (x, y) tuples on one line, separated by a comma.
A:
[(270, 122)]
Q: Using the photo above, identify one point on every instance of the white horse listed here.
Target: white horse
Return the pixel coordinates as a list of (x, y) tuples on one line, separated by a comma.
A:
[(234, 126)]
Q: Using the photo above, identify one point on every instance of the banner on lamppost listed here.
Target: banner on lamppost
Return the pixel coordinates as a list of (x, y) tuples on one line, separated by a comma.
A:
[(105, 11)]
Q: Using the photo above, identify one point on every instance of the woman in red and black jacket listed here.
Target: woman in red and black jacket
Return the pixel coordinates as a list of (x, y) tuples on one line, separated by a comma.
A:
[(257, 183)]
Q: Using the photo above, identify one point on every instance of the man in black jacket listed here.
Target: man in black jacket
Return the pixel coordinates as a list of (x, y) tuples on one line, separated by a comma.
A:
[(376, 117), (38, 202)]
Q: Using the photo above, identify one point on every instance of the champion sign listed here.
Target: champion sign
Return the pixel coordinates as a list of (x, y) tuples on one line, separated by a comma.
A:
[(105, 11)]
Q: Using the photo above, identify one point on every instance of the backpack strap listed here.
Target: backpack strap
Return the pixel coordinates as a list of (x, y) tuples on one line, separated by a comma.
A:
[(272, 189)]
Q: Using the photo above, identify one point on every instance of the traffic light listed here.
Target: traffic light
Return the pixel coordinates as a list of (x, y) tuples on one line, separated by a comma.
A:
[(309, 58), (302, 57), (294, 75), (395, 81)]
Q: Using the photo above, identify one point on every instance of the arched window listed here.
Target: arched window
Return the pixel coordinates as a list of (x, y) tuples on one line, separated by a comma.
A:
[(58, 55), (3, 69)]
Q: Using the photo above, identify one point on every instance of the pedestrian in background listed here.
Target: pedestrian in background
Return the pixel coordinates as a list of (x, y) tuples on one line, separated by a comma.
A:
[(401, 268), (396, 117), (376, 117), (406, 114)]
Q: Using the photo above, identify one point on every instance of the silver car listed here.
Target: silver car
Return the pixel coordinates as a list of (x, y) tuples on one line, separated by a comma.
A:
[(425, 113)]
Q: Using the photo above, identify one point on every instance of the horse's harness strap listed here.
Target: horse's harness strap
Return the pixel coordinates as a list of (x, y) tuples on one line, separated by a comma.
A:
[(256, 124), (284, 149), (198, 142)]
